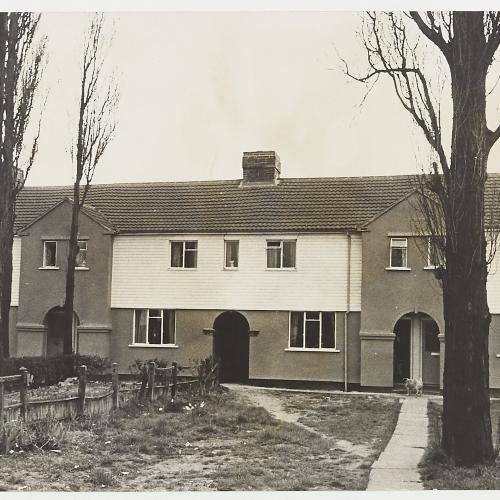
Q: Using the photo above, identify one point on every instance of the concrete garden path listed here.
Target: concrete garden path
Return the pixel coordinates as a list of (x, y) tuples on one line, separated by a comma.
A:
[(397, 466)]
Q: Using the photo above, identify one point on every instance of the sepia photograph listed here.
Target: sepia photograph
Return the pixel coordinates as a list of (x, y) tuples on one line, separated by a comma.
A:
[(249, 248)]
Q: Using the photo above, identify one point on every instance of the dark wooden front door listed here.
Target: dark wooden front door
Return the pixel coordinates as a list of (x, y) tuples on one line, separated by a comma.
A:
[(231, 346), (402, 350)]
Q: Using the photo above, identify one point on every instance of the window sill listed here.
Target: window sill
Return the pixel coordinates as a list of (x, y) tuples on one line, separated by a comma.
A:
[(398, 268), (156, 346), (48, 268), (435, 354), (286, 269), (431, 268), (311, 349), (82, 269), (230, 268), (182, 268)]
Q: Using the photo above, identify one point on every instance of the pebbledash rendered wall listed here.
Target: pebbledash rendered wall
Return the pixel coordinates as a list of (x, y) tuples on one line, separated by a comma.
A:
[(269, 358), (40, 290)]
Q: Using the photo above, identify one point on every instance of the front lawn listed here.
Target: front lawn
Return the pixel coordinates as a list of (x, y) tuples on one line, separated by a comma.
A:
[(215, 444), (437, 473)]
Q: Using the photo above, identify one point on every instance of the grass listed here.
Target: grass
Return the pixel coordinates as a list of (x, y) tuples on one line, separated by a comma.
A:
[(220, 445), (438, 473)]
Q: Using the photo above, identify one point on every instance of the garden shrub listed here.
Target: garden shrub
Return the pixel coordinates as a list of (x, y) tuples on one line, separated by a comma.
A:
[(53, 369)]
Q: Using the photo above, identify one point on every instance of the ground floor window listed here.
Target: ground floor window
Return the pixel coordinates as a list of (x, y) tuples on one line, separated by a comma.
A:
[(312, 330), (154, 326)]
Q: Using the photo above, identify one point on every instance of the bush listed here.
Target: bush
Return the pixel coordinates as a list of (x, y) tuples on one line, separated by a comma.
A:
[(54, 369), (44, 434)]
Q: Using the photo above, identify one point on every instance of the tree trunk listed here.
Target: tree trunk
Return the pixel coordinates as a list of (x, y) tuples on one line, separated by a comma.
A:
[(70, 273), (6, 239), (466, 406)]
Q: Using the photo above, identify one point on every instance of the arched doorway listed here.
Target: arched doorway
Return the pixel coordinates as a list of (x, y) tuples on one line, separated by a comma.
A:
[(54, 321), (231, 346), (416, 349)]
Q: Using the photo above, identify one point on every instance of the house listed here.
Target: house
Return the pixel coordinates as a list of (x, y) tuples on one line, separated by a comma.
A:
[(290, 279)]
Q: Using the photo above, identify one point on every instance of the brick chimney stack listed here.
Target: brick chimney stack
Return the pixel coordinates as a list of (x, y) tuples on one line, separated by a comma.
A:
[(261, 166)]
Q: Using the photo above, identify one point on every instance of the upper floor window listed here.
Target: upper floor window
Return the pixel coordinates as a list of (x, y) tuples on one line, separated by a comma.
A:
[(183, 254), (281, 254), (435, 253), (399, 253), (231, 253), (81, 256), (312, 330), (154, 326), (49, 254)]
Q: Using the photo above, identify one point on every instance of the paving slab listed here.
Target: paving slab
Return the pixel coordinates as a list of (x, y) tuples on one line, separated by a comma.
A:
[(397, 466)]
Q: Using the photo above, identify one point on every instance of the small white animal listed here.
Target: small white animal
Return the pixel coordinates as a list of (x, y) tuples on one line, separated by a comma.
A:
[(413, 385)]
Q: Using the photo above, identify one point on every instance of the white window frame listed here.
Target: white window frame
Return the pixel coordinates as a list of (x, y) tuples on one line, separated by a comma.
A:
[(232, 268), (405, 247), (430, 265), (86, 250), (44, 257), (147, 344), (281, 241), (304, 320), (184, 250)]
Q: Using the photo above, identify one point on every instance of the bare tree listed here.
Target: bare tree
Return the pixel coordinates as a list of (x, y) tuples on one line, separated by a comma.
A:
[(21, 65), (452, 192), (96, 126)]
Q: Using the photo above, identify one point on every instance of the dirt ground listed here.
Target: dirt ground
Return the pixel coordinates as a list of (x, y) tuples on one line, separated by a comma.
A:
[(228, 441)]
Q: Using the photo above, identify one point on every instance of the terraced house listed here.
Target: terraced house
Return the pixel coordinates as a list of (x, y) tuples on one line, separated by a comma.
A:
[(290, 279)]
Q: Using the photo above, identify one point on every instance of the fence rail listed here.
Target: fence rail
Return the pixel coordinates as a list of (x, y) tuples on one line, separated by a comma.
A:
[(72, 406)]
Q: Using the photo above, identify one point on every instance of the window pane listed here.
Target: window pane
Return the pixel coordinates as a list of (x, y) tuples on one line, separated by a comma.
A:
[(168, 327), (81, 256), (398, 257), (176, 250), (328, 330), (140, 326), (289, 253), (436, 256), (154, 313), (154, 332), (190, 256), (273, 258), (50, 253), (312, 334), (312, 315), (296, 329), (431, 333), (232, 253), (191, 245)]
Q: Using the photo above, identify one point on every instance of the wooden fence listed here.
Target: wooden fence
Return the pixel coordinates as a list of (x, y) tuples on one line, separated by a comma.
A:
[(149, 388)]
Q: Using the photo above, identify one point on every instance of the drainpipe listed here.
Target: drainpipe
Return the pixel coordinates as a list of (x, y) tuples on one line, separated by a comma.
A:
[(346, 317)]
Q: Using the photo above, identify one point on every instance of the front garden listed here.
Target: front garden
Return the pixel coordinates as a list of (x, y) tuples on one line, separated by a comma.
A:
[(214, 442)]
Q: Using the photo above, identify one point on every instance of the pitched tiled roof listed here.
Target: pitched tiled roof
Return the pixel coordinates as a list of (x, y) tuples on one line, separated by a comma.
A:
[(298, 204)]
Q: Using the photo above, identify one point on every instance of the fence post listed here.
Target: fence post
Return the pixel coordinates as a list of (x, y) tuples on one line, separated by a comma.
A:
[(23, 392), (82, 387), (115, 384), (1, 410), (151, 379), (174, 378), (217, 375)]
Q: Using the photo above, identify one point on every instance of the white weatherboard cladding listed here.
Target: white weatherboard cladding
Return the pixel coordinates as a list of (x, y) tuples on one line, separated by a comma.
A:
[(493, 286), (16, 271), (142, 277)]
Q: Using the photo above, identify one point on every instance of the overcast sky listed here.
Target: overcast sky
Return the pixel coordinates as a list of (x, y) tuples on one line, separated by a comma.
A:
[(197, 89)]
